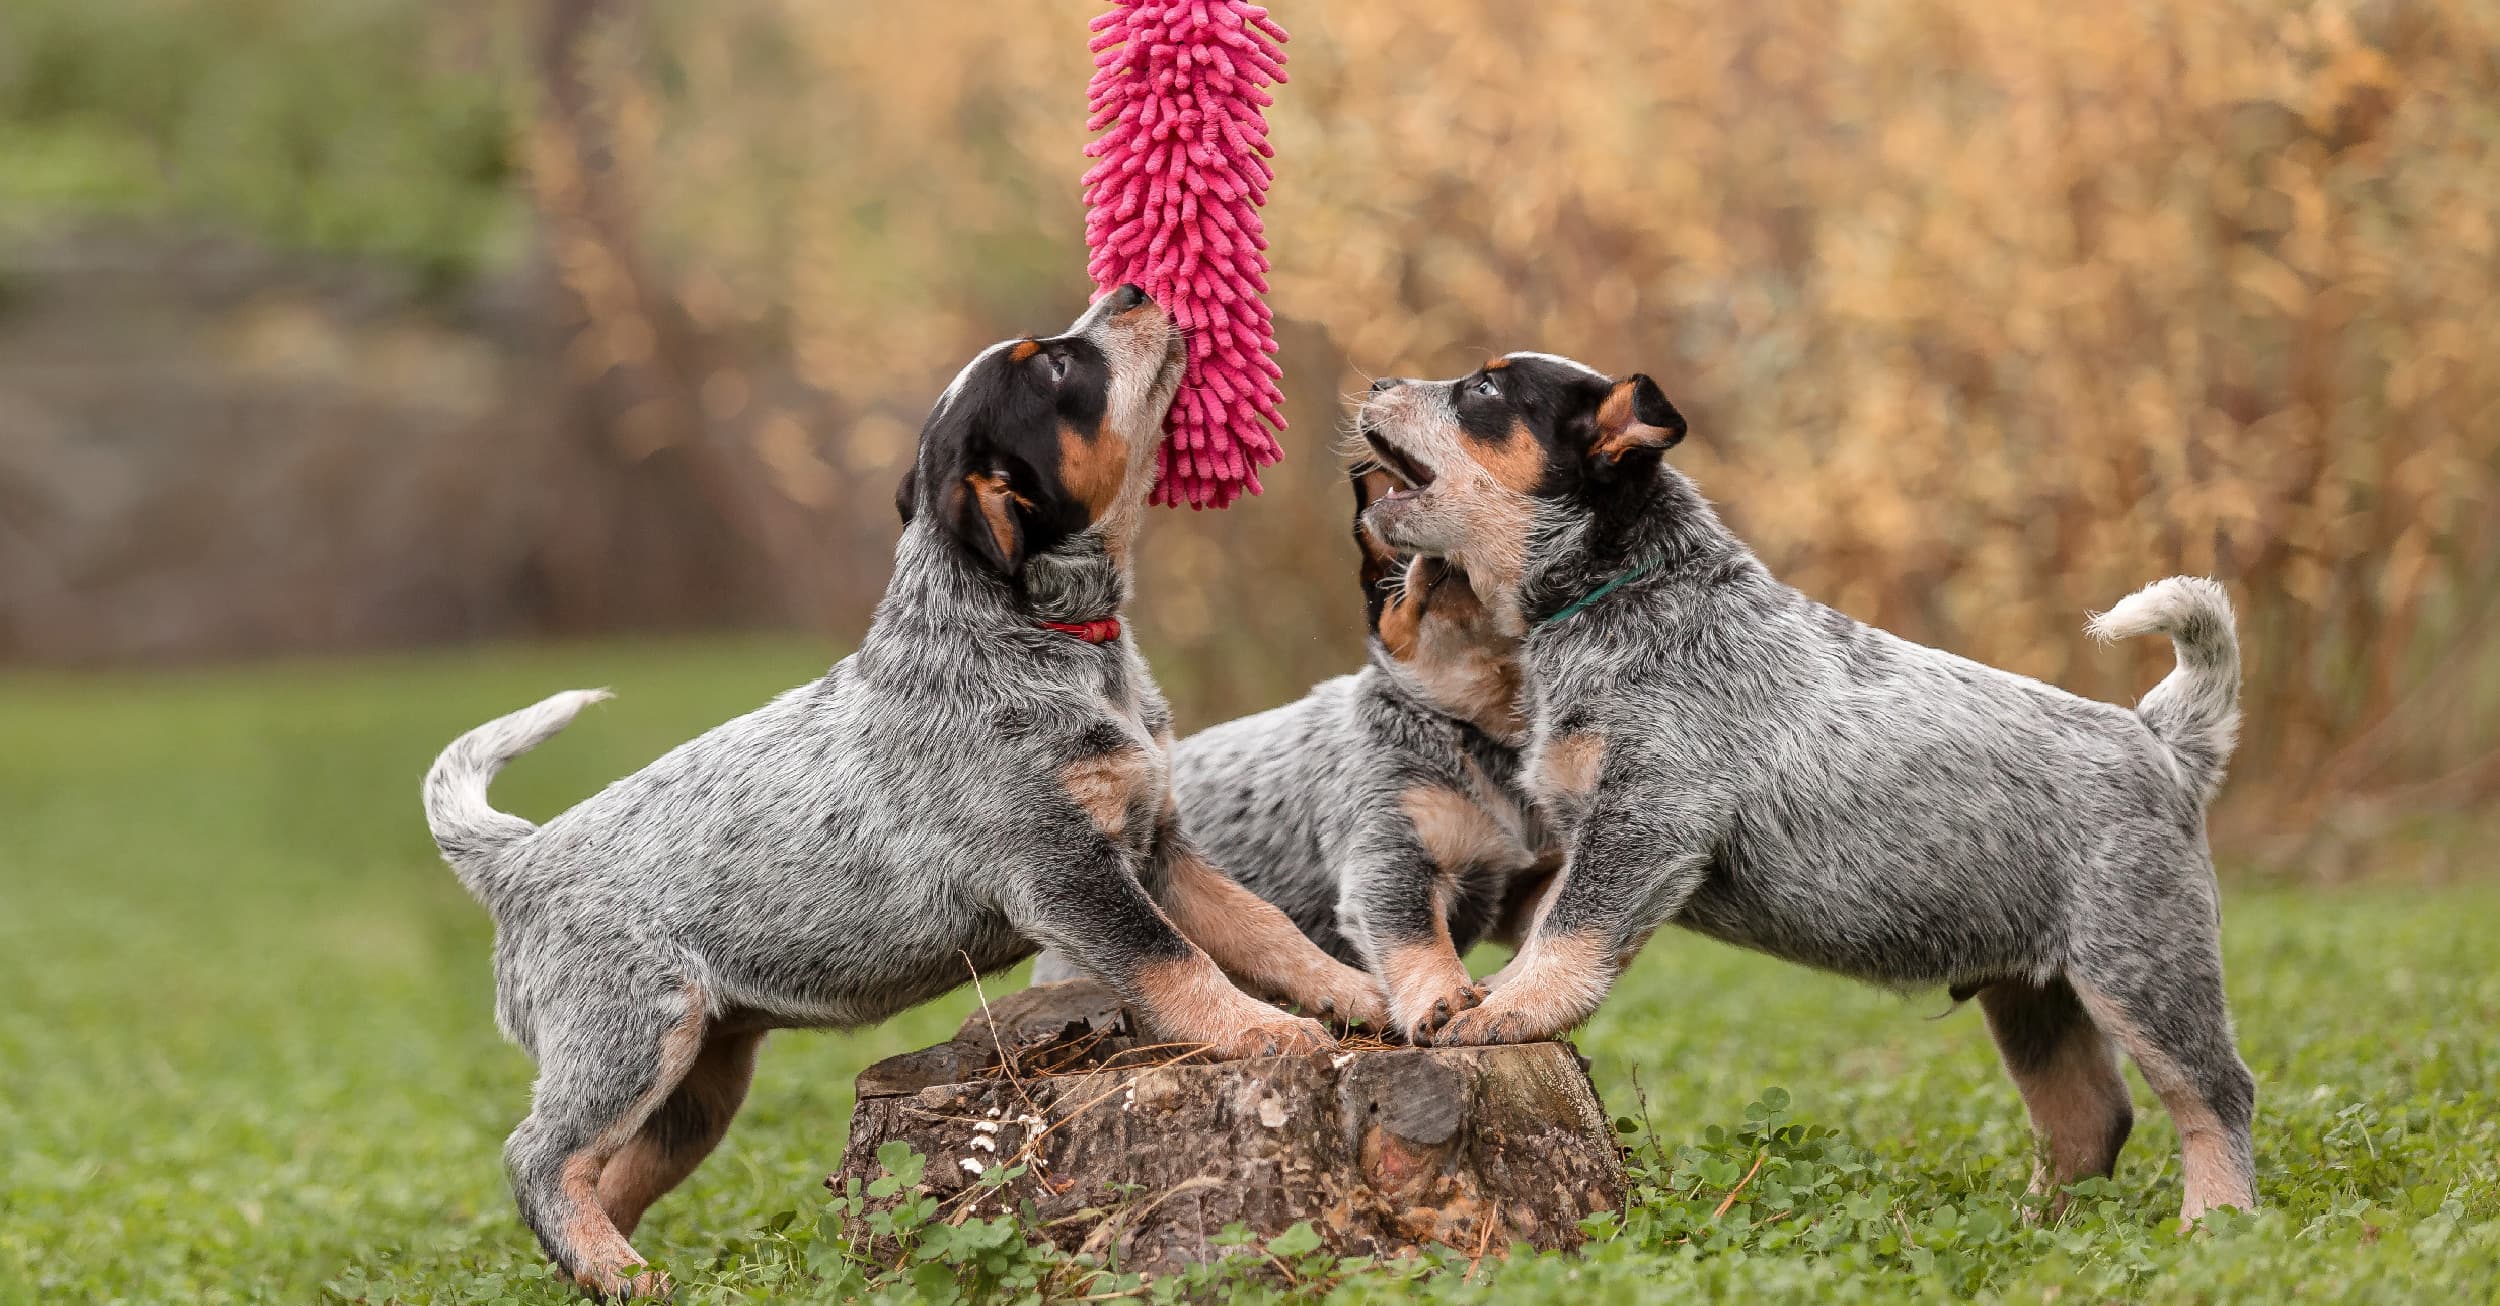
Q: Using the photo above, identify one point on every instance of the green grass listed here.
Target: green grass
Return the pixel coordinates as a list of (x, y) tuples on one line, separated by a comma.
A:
[(247, 1049)]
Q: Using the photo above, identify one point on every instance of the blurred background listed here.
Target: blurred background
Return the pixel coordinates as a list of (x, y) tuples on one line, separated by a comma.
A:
[(341, 326), (369, 368)]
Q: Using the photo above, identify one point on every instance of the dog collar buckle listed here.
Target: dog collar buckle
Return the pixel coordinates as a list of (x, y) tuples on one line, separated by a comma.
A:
[(1101, 630)]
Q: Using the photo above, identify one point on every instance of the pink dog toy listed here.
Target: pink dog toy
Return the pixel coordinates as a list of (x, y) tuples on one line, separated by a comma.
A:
[(1174, 207)]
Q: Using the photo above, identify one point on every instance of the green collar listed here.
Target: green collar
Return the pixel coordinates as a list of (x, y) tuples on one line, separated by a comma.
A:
[(1590, 599)]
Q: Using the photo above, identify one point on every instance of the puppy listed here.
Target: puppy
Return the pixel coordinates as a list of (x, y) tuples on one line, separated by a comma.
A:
[(1721, 752), (1382, 811), (987, 774)]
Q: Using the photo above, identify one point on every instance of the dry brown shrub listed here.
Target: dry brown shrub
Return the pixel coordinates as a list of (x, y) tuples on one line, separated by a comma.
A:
[(1986, 311)]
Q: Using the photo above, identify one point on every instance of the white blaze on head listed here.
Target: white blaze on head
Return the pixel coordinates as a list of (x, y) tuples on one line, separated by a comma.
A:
[(1558, 360), (1141, 349), (1137, 346)]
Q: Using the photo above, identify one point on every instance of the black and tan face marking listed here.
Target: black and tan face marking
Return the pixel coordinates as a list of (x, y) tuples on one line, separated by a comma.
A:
[(1039, 439), (1477, 455), (1544, 425)]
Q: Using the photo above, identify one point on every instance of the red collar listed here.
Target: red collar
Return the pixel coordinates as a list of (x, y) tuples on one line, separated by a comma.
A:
[(1101, 630)]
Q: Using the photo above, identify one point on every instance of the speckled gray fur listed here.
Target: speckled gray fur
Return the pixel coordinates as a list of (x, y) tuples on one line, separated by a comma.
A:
[(1304, 804), (1782, 777), (860, 844), (1300, 804)]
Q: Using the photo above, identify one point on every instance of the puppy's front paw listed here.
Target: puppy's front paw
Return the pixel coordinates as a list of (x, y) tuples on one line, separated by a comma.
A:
[(1520, 1011), (1553, 984), (1493, 1022), (1425, 998), (1349, 997), (1282, 1036)]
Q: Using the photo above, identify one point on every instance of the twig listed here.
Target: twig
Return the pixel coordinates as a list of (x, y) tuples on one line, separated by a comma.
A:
[(969, 1197), (1730, 1199), (1027, 1150), (1483, 1240), (1649, 1132), (1006, 1055)]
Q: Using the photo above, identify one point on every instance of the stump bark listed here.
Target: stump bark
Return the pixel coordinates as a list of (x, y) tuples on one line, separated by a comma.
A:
[(1145, 1155)]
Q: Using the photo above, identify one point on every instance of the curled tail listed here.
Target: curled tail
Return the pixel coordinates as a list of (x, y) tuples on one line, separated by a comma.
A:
[(472, 835), (2196, 708)]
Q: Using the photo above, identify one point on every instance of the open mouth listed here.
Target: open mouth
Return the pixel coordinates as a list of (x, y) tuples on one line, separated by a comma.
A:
[(1413, 476)]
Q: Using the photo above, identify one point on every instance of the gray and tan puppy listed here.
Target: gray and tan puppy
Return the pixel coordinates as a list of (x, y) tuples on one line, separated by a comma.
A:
[(985, 776), (1718, 751), (1382, 811)]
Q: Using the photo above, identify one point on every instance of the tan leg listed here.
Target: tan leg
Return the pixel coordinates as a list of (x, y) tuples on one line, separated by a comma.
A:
[(603, 1262), (2209, 1094), (682, 1131), (1188, 1000), (1428, 984), (1556, 982), (2068, 1072), (1250, 939), (582, 1118)]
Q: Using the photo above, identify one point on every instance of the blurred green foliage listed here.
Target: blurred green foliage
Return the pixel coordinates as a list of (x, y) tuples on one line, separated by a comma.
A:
[(365, 125)]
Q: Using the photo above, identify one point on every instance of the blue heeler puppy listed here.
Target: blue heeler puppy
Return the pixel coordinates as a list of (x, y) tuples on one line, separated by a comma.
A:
[(1718, 751), (986, 775), (1383, 810)]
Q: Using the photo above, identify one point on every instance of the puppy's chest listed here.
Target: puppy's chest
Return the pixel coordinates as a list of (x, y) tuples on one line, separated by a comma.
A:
[(1562, 767), (1121, 775), (1469, 820)]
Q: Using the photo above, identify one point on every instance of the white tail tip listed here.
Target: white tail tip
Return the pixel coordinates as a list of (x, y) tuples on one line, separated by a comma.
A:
[(2161, 607)]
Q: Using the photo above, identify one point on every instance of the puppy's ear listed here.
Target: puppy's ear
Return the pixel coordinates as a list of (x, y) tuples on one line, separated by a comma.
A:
[(906, 493), (1635, 424), (987, 514)]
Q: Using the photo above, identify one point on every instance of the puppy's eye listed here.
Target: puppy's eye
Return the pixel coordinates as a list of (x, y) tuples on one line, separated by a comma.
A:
[(1058, 364), (1485, 387)]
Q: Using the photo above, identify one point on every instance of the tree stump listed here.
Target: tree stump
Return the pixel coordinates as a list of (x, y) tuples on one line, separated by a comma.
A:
[(1145, 1153)]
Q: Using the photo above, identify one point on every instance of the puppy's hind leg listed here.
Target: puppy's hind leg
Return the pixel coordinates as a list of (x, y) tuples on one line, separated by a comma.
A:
[(2068, 1072), (601, 1074), (682, 1131), (2157, 989)]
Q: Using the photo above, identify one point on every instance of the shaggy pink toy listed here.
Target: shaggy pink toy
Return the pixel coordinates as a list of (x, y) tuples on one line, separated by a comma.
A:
[(1174, 207)]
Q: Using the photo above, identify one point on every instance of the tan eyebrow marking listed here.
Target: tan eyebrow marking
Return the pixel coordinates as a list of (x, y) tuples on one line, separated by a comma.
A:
[(1024, 351), (1496, 364)]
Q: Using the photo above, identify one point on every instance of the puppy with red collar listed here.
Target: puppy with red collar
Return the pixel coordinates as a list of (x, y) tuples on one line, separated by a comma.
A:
[(986, 776)]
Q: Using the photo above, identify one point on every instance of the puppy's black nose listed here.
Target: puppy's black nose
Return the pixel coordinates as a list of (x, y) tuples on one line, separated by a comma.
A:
[(1128, 297), (1387, 383)]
